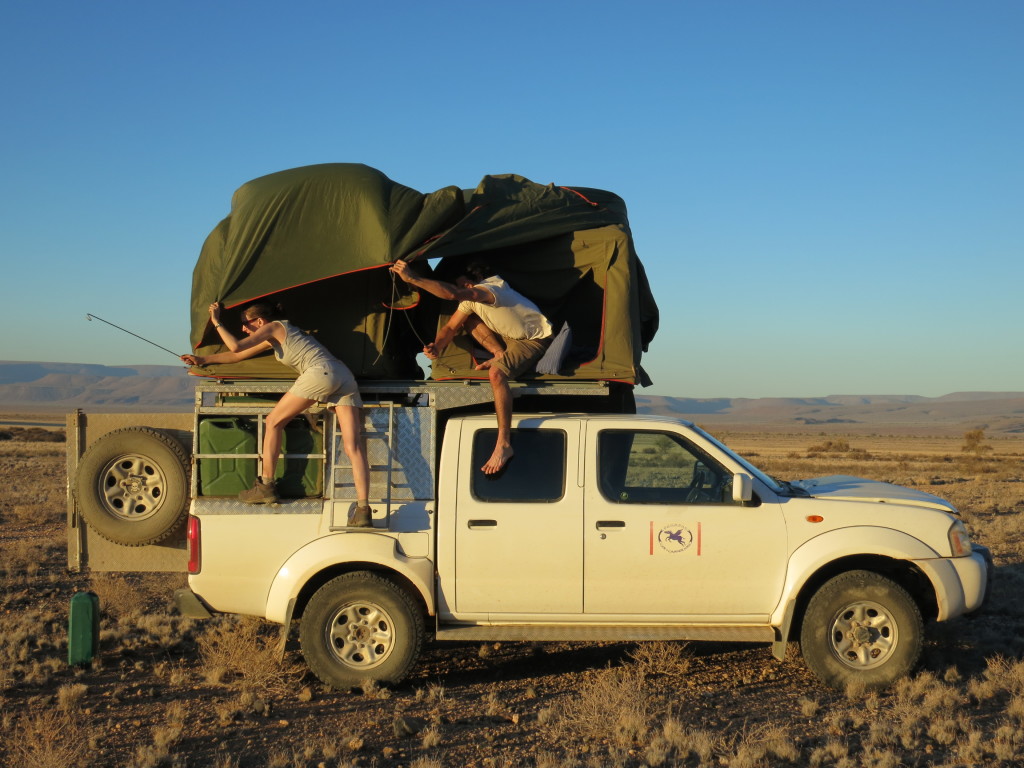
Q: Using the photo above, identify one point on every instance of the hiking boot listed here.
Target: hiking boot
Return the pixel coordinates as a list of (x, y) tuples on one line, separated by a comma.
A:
[(362, 517), (260, 493)]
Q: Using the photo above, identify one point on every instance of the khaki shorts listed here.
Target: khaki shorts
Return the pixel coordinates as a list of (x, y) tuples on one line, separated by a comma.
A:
[(330, 383), (521, 355)]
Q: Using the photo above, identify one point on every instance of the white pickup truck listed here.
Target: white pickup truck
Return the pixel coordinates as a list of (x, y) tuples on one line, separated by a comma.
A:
[(602, 527)]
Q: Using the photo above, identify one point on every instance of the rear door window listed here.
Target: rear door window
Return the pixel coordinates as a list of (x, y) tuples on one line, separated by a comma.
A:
[(535, 473)]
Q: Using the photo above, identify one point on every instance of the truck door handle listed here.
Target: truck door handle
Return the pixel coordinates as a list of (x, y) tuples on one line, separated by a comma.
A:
[(483, 523), (602, 524)]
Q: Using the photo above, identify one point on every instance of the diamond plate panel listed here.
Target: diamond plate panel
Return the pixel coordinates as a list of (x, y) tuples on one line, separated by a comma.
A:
[(400, 451), (231, 506)]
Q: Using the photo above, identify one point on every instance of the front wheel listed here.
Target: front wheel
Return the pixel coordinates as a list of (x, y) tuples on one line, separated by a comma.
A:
[(360, 626), (861, 627)]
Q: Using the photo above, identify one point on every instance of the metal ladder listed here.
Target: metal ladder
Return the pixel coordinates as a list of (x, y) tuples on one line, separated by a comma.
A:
[(379, 435)]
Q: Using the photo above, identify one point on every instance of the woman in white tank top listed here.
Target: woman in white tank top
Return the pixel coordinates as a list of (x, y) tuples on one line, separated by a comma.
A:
[(322, 379)]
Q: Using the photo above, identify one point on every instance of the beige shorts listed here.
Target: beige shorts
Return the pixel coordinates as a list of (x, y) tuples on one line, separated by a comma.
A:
[(521, 355), (331, 384)]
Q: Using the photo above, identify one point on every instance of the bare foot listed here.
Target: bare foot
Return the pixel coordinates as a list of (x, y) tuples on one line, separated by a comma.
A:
[(498, 459)]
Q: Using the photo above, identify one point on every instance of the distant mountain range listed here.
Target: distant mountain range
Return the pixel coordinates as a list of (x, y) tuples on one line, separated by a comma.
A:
[(66, 386), (996, 412), (62, 387)]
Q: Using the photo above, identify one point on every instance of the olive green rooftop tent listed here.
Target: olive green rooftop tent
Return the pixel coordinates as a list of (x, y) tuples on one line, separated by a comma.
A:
[(319, 239)]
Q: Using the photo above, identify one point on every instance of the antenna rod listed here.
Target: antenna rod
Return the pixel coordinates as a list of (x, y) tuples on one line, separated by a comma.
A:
[(165, 349)]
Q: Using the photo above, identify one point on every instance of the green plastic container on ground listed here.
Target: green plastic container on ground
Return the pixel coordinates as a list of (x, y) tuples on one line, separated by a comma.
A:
[(228, 476), (83, 629)]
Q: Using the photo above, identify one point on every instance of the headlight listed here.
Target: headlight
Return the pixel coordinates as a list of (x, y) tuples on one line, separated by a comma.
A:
[(959, 539)]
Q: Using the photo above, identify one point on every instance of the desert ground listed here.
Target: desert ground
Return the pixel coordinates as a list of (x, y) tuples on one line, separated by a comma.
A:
[(169, 691)]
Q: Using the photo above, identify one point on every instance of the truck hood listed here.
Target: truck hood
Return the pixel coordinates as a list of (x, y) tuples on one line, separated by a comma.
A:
[(847, 488)]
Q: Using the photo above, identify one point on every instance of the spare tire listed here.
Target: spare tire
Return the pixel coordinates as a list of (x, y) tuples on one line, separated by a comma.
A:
[(132, 486)]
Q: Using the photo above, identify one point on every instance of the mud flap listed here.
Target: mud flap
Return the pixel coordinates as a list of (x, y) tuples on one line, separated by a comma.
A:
[(782, 632), (286, 630), (189, 604)]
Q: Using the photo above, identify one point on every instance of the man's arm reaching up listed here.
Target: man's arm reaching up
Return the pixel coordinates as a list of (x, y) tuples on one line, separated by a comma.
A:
[(442, 289)]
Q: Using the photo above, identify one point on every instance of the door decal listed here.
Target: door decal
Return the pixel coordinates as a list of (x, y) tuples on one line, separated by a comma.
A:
[(674, 538)]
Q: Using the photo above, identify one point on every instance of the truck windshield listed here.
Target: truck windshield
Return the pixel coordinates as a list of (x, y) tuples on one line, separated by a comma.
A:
[(767, 479)]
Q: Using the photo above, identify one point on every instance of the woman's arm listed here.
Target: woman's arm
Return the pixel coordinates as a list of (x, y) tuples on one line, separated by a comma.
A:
[(239, 349), (219, 358), (258, 340)]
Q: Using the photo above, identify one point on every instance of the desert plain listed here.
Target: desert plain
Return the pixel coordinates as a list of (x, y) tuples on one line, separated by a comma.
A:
[(165, 690)]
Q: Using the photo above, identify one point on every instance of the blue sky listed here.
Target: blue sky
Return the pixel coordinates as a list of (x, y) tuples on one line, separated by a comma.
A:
[(827, 196)]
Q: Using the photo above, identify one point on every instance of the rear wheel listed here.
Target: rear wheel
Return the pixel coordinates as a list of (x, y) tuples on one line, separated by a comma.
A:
[(361, 626), (861, 627), (132, 486)]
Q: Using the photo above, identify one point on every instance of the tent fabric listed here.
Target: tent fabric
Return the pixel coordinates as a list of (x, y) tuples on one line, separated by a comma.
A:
[(319, 240)]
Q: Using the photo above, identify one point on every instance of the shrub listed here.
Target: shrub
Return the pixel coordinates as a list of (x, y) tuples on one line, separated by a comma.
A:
[(50, 738), (241, 651), (661, 657), (973, 442), (612, 706)]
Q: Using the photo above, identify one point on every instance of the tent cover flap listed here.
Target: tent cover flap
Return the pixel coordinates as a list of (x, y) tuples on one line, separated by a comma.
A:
[(318, 240)]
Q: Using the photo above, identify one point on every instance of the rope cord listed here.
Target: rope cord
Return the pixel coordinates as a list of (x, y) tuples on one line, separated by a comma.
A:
[(412, 327), (391, 316)]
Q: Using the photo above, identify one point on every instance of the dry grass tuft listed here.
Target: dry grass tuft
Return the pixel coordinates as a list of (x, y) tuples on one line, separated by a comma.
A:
[(117, 597), (661, 658), (431, 737), (492, 704), (768, 745), (833, 752), (49, 738), (242, 651), (809, 707), (613, 706), (374, 690), (69, 697), (436, 693)]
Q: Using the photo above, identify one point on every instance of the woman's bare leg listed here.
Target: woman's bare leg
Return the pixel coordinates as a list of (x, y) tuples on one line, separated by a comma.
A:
[(287, 408), (350, 421)]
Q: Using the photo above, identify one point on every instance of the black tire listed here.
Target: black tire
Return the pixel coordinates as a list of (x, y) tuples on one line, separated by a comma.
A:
[(361, 626), (861, 628), (132, 486)]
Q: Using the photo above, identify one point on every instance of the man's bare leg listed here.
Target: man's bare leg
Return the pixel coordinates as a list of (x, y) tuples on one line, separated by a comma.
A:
[(503, 410), (487, 339)]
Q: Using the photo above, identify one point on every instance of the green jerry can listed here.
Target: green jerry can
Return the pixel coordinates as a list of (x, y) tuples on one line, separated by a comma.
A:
[(83, 629), (225, 475)]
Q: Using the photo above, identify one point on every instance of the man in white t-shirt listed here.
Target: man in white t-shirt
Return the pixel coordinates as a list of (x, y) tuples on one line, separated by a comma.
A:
[(502, 321)]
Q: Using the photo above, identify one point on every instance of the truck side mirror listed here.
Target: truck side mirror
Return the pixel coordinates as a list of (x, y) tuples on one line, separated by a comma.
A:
[(742, 487)]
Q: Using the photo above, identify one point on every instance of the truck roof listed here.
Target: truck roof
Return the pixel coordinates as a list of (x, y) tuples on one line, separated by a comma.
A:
[(532, 419)]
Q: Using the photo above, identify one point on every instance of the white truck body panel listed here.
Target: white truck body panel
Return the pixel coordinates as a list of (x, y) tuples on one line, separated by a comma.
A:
[(368, 549), (243, 560), (584, 557)]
